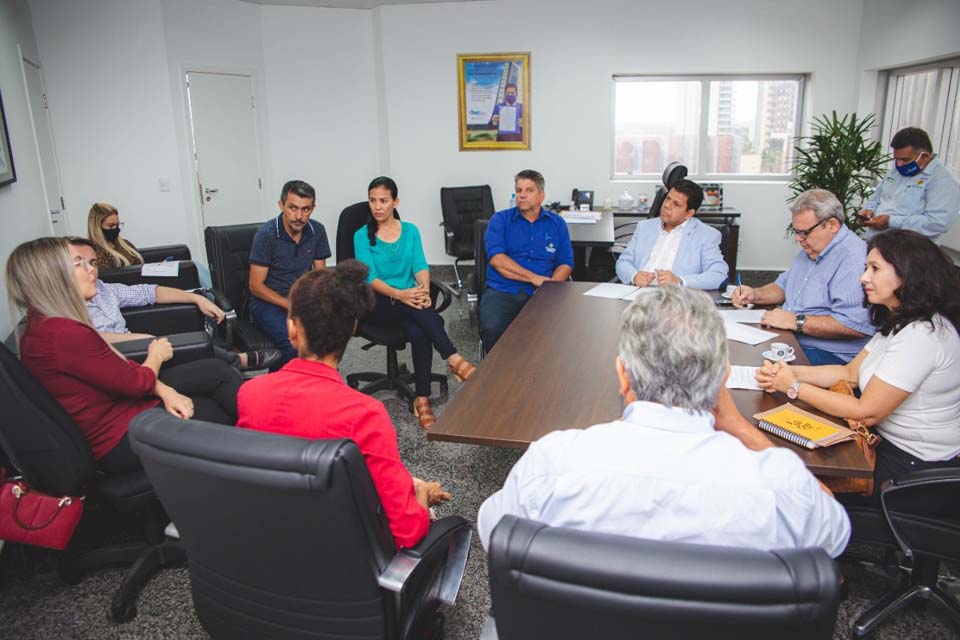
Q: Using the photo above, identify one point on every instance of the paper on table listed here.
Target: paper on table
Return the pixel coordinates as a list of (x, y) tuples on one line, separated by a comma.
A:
[(743, 378), (611, 290), (742, 315), (167, 269), (508, 118), (748, 335), (638, 291)]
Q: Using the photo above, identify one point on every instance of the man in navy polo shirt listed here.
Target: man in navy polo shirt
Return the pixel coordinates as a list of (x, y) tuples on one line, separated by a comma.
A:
[(526, 246), (285, 248)]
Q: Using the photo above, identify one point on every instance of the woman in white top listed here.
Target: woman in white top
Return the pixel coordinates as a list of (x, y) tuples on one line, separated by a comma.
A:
[(909, 372)]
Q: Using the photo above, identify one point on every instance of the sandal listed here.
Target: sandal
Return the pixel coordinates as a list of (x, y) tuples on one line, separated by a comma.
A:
[(463, 370), (423, 412)]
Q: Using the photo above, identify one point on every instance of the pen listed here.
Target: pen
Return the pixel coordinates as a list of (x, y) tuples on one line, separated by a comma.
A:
[(739, 285), (168, 259)]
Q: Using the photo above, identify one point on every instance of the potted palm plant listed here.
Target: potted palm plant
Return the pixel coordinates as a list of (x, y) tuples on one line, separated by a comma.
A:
[(838, 156)]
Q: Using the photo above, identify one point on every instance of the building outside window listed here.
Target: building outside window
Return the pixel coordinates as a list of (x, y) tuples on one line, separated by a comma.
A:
[(718, 126)]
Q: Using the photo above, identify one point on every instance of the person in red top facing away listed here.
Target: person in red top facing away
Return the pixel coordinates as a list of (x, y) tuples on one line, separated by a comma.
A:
[(307, 398), (99, 388)]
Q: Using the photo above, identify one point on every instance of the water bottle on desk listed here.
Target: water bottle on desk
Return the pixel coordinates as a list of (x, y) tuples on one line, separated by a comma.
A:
[(513, 200)]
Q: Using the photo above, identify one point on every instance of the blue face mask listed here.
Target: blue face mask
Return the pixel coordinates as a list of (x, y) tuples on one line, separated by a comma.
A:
[(911, 168)]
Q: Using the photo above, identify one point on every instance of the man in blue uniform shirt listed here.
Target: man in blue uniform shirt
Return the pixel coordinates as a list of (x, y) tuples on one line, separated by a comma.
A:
[(918, 193), (285, 248), (526, 246)]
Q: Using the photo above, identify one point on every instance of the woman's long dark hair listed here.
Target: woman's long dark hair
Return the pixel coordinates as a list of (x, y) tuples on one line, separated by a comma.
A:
[(329, 303), (389, 185), (929, 282)]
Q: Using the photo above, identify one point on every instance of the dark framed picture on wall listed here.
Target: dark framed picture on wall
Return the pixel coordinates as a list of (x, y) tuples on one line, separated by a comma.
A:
[(494, 100), (7, 172)]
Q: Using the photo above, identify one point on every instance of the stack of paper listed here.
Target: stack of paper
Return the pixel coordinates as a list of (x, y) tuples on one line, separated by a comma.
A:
[(751, 316), (746, 334), (616, 291), (581, 217), (743, 378)]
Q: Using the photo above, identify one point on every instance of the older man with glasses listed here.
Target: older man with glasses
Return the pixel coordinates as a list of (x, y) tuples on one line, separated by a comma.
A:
[(821, 296)]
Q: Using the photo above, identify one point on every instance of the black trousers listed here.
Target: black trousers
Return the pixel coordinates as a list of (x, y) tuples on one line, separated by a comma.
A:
[(892, 463), (212, 385), (424, 329)]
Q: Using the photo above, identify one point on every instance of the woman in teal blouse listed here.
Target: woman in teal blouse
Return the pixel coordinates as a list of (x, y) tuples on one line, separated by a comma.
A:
[(400, 278)]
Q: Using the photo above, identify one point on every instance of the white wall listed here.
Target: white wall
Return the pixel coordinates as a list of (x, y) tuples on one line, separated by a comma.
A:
[(345, 95), (210, 35), (575, 49), (323, 116), (23, 214), (105, 64)]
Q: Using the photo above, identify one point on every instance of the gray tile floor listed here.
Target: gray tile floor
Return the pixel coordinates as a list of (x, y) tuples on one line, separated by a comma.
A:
[(35, 604)]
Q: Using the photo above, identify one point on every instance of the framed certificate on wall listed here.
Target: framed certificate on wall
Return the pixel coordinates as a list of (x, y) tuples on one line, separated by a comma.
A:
[(494, 101)]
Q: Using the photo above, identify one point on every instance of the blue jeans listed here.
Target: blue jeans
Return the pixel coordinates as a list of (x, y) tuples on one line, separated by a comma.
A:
[(497, 311), (819, 356), (272, 320)]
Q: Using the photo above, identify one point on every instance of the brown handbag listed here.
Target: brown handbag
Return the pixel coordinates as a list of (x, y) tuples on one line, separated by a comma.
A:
[(867, 442)]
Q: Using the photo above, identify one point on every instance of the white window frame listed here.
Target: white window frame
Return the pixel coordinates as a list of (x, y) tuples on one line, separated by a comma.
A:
[(947, 94), (705, 80)]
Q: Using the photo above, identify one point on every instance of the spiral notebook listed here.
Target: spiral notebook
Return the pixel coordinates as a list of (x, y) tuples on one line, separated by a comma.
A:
[(802, 427)]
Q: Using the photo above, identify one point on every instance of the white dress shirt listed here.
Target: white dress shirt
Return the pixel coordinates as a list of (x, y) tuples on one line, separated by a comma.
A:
[(664, 251), (664, 473)]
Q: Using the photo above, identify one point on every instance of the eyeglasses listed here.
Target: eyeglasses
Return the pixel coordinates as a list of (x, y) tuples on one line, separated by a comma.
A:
[(803, 233), (86, 265), (119, 225)]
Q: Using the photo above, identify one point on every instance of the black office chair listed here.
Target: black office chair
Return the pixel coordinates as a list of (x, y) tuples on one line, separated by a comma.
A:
[(479, 279), (165, 252), (919, 515), (461, 206), (187, 276), (397, 377), (286, 537), (671, 175), (228, 252), (559, 583), (48, 449)]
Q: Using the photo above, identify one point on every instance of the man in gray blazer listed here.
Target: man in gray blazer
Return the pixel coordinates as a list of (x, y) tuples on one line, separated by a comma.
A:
[(675, 248)]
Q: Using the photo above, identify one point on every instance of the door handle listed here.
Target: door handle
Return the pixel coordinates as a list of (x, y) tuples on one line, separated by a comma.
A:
[(214, 190)]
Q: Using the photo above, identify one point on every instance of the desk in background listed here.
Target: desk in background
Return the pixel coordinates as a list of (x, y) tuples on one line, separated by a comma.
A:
[(553, 369), (597, 234)]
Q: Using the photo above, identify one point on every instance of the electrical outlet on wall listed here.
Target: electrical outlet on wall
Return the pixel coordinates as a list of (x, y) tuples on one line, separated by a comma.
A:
[(164, 182)]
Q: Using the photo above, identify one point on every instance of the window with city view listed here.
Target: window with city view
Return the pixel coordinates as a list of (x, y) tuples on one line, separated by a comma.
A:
[(716, 126)]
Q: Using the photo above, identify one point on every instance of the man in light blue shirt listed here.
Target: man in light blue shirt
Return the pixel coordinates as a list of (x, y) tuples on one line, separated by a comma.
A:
[(682, 464), (918, 193), (675, 248), (821, 294)]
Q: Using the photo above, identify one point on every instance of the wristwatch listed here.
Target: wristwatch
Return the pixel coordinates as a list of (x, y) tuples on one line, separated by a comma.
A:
[(793, 391), (801, 319)]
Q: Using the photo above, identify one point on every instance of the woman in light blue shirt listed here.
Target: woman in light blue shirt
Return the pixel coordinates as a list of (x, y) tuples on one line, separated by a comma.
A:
[(400, 278)]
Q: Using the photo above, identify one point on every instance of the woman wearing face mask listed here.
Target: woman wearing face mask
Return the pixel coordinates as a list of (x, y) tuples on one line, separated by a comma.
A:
[(102, 391), (908, 372), (103, 230), (400, 278)]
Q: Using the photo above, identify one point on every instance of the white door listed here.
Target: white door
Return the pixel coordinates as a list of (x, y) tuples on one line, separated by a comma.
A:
[(43, 135), (226, 152)]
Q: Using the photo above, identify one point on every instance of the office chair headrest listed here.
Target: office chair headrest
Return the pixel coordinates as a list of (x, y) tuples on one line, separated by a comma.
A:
[(673, 173)]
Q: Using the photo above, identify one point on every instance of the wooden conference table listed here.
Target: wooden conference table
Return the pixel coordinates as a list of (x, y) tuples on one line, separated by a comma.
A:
[(554, 369)]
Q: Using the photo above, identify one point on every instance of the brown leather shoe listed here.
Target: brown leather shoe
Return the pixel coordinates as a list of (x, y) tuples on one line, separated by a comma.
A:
[(423, 412), (463, 370)]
